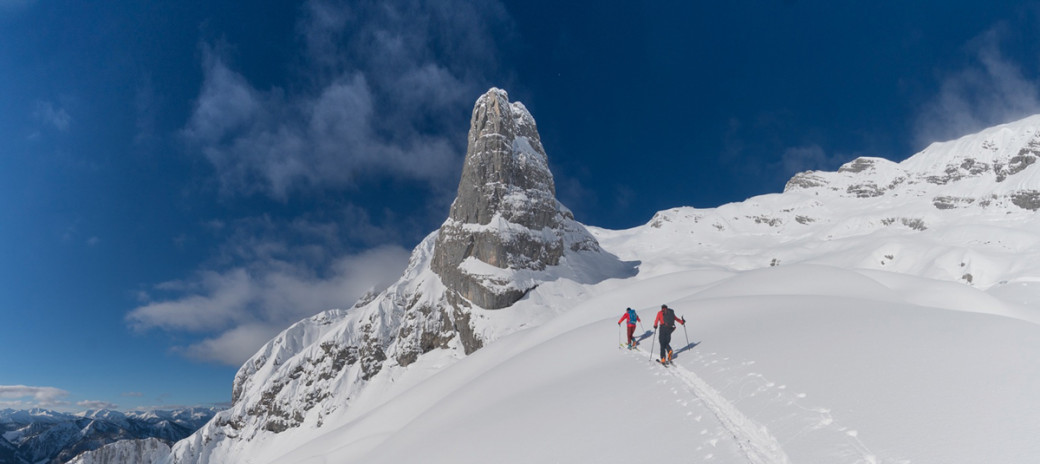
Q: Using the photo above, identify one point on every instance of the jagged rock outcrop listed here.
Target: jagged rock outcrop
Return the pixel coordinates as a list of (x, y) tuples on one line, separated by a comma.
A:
[(506, 217), (144, 451)]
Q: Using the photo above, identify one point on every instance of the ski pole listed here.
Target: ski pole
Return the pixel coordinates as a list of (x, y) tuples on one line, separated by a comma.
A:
[(652, 344), (685, 333), (619, 335)]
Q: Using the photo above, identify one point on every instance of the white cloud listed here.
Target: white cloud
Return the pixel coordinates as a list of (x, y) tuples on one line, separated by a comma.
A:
[(221, 299), (247, 308), (387, 82), (991, 90), (262, 143), (232, 347), (33, 396), (96, 405)]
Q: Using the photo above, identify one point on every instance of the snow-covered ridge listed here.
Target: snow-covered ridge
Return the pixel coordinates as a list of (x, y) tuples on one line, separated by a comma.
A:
[(962, 211), (984, 170)]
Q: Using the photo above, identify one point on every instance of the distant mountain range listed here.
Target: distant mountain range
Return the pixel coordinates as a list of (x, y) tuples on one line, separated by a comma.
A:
[(43, 436)]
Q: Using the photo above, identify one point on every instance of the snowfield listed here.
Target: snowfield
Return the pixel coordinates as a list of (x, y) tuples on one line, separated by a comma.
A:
[(800, 364), (884, 313)]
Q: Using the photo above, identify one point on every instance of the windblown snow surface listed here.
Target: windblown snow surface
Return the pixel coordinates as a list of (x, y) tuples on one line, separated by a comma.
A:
[(823, 326)]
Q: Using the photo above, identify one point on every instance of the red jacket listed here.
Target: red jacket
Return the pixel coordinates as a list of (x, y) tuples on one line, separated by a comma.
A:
[(660, 319), (625, 317)]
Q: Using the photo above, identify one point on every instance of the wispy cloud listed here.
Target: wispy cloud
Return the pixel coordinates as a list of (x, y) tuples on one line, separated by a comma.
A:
[(382, 82), (27, 396), (234, 346), (991, 89), (48, 114), (96, 405), (246, 306)]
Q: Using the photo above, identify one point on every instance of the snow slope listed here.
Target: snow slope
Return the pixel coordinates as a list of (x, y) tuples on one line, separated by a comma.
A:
[(884, 313), (825, 365)]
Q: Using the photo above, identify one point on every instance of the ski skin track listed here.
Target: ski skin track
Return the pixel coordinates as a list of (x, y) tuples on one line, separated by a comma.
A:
[(753, 440)]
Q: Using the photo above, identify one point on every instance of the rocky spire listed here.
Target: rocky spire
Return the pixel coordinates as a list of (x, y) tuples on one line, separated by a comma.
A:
[(506, 217)]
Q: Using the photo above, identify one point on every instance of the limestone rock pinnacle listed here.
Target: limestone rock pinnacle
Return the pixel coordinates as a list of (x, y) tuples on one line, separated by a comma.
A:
[(506, 218)]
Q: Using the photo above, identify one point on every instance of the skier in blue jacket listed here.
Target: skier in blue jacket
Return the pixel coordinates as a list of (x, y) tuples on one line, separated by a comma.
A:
[(633, 318)]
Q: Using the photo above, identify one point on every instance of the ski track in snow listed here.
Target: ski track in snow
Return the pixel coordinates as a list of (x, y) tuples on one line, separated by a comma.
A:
[(838, 442), (753, 440), (843, 442)]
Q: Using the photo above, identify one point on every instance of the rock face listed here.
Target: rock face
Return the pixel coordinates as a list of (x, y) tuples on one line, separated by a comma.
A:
[(506, 217), (145, 451), (505, 236)]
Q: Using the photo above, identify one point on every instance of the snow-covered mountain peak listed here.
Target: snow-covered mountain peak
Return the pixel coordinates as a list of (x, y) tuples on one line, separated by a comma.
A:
[(994, 146), (507, 232), (993, 168)]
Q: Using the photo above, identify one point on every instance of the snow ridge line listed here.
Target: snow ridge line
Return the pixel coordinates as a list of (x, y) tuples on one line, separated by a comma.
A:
[(753, 439)]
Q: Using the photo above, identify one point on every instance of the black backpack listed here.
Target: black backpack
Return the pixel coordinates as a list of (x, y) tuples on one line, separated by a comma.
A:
[(669, 317)]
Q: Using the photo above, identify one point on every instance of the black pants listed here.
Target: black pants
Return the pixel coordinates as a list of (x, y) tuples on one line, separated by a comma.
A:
[(666, 340)]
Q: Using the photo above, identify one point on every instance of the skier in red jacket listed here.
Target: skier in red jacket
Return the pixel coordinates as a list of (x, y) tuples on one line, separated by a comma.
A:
[(632, 317), (666, 319)]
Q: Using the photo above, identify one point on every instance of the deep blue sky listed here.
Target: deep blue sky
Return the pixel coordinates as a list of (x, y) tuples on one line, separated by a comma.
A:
[(181, 180)]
